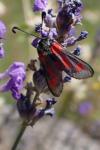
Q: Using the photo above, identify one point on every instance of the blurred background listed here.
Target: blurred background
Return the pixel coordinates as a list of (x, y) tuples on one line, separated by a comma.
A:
[(77, 122)]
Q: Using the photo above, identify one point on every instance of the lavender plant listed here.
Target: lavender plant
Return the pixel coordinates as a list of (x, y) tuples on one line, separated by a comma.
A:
[(2, 35), (59, 27)]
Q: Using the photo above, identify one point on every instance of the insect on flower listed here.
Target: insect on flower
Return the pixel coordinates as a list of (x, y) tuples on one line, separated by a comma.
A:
[(54, 59)]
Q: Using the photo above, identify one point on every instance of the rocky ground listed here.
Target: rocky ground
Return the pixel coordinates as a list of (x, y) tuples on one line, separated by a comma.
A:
[(47, 134)]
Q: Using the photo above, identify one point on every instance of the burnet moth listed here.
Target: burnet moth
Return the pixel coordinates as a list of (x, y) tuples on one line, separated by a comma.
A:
[(54, 59)]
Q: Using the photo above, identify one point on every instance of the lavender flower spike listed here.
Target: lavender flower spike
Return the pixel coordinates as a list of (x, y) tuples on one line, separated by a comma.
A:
[(2, 53), (16, 74), (2, 30), (40, 5), (2, 34)]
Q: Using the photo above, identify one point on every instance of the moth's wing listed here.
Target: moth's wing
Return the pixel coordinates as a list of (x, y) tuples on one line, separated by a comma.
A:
[(81, 69), (40, 81), (72, 65), (52, 74)]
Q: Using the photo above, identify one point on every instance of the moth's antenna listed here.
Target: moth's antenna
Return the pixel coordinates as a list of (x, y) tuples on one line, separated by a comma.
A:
[(14, 29)]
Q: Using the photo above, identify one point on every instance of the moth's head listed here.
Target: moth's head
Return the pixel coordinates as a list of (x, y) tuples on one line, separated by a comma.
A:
[(44, 43)]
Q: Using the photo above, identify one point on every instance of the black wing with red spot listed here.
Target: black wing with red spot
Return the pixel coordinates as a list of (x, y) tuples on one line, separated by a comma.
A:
[(52, 74), (72, 65)]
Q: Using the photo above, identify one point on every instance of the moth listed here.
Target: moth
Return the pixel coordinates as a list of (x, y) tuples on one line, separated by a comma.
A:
[(54, 59)]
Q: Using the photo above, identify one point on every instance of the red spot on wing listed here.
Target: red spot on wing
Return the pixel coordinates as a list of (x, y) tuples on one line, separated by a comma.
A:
[(57, 50), (74, 66)]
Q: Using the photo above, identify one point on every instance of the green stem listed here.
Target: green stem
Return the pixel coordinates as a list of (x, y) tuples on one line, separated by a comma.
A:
[(20, 134)]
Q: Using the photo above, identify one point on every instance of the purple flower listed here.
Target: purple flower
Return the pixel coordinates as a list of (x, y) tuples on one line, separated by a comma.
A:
[(49, 20), (67, 79), (77, 11), (16, 74), (69, 42), (38, 28), (2, 30), (77, 51), (40, 5), (1, 50), (50, 102), (78, 7), (72, 31), (72, 39), (2, 34), (53, 33), (83, 35), (42, 112), (85, 108), (25, 107), (50, 112), (64, 19), (67, 16), (35, 42), (44, 33)]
